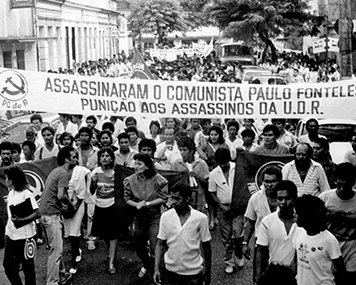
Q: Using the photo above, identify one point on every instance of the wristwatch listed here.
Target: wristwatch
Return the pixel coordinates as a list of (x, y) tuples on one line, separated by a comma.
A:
[(147, 204)]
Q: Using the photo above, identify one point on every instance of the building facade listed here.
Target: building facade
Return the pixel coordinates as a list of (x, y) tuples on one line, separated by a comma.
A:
[(61, 32)]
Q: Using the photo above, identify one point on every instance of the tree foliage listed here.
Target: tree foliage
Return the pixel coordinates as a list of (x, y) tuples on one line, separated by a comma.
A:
[(267, 19), (158, 17)]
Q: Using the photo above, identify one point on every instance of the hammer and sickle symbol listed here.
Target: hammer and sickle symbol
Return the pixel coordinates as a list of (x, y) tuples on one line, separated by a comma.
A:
[(19, 89)]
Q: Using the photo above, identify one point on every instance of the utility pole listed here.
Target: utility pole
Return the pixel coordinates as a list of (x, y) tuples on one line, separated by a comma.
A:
[(345, 40)]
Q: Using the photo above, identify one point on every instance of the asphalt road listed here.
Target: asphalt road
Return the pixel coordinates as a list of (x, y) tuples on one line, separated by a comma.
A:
[(93, 269)]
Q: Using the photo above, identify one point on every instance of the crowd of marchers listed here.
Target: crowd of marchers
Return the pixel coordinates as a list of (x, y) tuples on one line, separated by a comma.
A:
[(293, 67)]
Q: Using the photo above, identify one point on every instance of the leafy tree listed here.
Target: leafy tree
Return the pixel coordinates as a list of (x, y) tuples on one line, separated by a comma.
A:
[(267, 19), (195, 15), (158, 17)]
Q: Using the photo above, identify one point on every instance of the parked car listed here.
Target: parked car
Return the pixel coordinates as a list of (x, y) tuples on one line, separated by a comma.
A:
[(337, 131), (248, 73), (269, 79), (20, 123)]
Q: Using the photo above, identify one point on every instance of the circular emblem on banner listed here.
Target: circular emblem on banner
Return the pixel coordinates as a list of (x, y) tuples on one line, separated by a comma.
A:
[(30, 249), (258, 176), (36, 183), (13, 85)]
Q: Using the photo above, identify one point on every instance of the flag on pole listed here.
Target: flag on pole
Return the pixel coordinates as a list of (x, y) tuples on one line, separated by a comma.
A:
[(140, 69), (209, 48), (248, 170)]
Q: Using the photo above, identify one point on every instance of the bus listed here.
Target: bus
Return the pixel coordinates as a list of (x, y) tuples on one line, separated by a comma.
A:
[(237, 52)]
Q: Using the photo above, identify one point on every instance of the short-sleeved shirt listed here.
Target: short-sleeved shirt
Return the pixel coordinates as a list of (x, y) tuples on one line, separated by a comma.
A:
[(306, 139), (125, 161), (273, 233), (58, 178), (183, 255), (314, 257), (42, 152), (341, 220), (219, 185), (15, 198), (233, 146), (288, 139), (314, 183), (350, 156), (258, 208), (279, 149), (172, 154)]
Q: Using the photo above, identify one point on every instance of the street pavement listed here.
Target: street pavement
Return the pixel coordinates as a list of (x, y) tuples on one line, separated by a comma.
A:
[(93, 269)]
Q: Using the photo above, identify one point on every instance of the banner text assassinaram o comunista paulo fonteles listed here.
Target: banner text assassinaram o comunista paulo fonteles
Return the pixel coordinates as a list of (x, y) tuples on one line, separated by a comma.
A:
[(50, 92)]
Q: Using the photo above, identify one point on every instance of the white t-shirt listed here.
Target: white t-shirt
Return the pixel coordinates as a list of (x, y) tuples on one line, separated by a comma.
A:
[(27, 231), (258, 208), (42, 152), (273, 233), (314, 257), (219, 185), (341, 221), (172, 153), (233, 146), (183, 255), (70, 128)]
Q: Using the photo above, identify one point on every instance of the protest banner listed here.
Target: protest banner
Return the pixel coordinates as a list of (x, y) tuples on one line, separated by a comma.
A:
[(58, 93), (36, 173), (249, 167)]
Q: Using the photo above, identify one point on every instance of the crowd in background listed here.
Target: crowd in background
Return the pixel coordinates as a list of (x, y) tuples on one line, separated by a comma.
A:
[(295, 68)]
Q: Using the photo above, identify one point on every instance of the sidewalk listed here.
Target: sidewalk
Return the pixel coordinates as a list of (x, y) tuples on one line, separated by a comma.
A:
[(3, 278)]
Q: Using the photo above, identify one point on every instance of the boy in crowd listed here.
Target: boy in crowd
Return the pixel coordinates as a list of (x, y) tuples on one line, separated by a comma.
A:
[(197, 168)]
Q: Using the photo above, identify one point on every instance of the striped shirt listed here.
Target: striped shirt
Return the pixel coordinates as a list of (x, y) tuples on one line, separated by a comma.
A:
[(314, 183)]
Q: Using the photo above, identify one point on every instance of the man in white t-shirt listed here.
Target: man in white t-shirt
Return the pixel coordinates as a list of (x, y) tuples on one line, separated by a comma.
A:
[(183, 230), (50, 148), (221, 184), (312, 127), (276, 232), (341, 215), (261, 204), (167, 151)]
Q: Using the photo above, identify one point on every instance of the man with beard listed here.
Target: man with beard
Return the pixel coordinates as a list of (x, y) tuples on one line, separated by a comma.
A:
[(124, 155), (261, 204), (54, 195), (183, 229), (277, 230), (6, 153), (270, 145), (50, 148), (307, 174)]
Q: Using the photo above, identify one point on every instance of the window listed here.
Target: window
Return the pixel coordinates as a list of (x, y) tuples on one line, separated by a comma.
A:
[(7, 59), (20, 54)]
